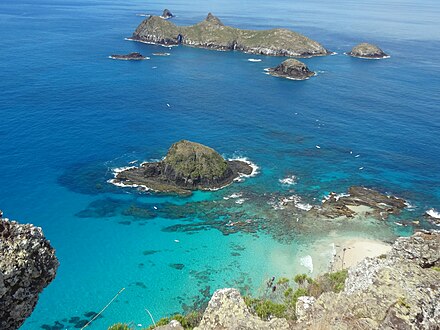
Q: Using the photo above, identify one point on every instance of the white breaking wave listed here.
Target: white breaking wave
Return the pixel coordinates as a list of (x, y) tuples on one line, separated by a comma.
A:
[(254, 60), (297, 202), (307, 262), (254, 166), (433, 213), (290, 180), (233, 196)]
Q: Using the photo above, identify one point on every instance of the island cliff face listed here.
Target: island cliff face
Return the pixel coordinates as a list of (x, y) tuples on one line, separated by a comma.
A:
[(292, 69), (27, 265), (213, 34), (187, 166)]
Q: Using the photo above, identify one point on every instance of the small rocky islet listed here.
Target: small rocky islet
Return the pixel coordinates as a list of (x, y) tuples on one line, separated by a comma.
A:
[(188, 166), (368, 51), (128, 57), (291, 69)]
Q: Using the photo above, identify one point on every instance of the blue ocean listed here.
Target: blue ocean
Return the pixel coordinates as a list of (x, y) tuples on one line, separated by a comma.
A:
[(70, 115)]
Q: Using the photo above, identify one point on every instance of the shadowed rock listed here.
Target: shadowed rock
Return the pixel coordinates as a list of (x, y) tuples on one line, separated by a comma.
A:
[(167, 14), (213, 34), (188, 166), (27, 265), (292, 69), (129, 57), (365, 50)]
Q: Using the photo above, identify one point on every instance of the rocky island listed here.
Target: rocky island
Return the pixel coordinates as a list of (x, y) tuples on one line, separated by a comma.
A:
[(213, 34), (369, 51), (167, 14), (129, 57), (291, 69), (27, 265), (187, 166)]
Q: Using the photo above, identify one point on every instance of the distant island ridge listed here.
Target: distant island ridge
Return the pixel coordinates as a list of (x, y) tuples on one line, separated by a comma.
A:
[(211, 33)]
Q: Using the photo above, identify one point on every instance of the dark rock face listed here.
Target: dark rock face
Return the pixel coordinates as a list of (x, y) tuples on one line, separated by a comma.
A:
[(128, 57), (27, 265), (376, 204), (187, 166), (213, 34), (167, 14), (365, 50), (292, 69)]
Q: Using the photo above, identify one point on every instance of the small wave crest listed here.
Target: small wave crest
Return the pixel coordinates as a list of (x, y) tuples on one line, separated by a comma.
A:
[(433, 213), (307, 262), (288, 181)]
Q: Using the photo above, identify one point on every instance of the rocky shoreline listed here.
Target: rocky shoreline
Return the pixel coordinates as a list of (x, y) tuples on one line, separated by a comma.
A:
[(187, 166), (213, 34), (396, 290)]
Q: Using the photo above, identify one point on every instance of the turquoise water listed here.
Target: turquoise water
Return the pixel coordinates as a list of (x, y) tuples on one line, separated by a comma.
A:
[(69, 115)]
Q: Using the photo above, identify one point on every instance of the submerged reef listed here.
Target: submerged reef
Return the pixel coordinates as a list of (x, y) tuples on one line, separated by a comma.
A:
[(366, 50), (27, 265), (292, 69), (213, 34), (187, 166)]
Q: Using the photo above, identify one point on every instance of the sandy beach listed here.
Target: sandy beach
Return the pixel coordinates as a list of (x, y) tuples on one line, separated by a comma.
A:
[(352, 251)]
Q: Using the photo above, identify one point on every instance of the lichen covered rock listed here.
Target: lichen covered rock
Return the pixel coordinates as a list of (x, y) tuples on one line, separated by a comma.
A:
[(227, 310), (366, 50), (27, 265)]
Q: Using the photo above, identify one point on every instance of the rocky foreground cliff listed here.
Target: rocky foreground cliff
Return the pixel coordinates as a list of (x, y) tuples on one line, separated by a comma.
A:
[(27, 265), (399, 290), (213, 34)]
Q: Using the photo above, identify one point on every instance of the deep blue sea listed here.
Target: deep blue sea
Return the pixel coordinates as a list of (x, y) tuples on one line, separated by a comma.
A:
[(69, 114)]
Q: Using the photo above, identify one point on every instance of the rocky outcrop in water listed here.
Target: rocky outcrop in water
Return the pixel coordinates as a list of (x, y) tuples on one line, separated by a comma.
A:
[(27, 265), (187, 166), (128, 57), (365, 50), (363, 200), (227, 310), (213, 34), (292, 69), (167, 14)]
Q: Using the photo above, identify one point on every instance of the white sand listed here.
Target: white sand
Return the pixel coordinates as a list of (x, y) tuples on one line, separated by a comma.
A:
[(350, 252)]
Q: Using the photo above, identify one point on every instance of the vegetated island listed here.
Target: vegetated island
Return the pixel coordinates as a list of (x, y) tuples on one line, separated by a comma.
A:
[(129, 57), (291, 69), (213, 34), (368, 51), (187, 166)]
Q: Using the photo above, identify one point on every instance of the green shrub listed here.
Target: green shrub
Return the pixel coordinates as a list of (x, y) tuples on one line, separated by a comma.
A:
[(282, 280), (188, 321), (436, 269), (120, 326), (298, 293), (265, 309)]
